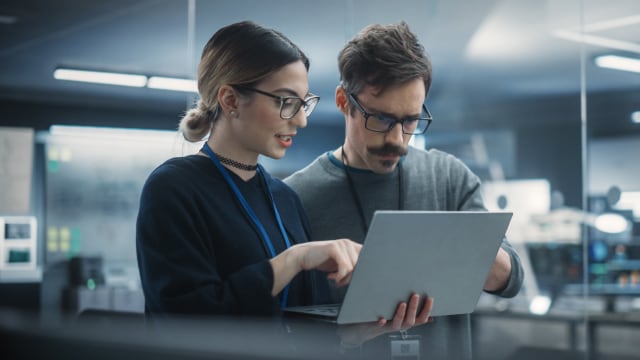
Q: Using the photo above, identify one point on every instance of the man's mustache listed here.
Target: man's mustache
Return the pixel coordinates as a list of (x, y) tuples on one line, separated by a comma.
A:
[(388, 149)]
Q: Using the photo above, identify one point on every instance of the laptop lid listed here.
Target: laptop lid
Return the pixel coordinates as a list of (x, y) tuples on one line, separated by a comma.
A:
[(446, 255)]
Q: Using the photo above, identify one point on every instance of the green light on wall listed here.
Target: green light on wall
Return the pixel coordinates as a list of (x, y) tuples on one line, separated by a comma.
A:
[(91, 284)]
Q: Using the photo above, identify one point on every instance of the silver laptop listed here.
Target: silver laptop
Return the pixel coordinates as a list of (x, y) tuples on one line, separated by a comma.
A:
[(446, 255)]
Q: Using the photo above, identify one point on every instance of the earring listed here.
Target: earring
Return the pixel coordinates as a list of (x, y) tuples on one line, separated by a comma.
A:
[(232, 113)]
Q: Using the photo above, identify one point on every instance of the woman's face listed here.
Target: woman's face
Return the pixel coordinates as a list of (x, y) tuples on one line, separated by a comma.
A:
[(258, 126)]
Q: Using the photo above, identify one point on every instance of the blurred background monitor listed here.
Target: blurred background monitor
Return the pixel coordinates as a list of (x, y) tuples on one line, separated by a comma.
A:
[(18, 242), (555, 266), (613, 269)]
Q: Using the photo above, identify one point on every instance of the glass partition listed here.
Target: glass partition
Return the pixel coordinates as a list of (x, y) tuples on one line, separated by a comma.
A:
[(506, 92), (612, 191)]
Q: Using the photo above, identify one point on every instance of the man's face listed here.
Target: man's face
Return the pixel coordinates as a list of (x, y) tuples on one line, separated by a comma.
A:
[(376, 151)]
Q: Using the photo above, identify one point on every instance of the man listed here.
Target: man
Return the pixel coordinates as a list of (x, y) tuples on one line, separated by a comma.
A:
[(385, 78)]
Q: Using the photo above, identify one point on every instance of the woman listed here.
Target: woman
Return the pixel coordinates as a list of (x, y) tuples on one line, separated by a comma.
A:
[(215, 233)]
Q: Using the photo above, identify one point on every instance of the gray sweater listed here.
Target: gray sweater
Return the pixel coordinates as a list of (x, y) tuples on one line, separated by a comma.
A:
[(431, 180)]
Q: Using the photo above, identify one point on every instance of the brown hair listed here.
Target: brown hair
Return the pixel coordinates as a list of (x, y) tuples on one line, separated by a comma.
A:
[(382, 56), (242, 53)]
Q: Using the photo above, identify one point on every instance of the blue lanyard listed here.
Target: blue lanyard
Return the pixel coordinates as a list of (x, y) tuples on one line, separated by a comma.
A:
[(263, 232)]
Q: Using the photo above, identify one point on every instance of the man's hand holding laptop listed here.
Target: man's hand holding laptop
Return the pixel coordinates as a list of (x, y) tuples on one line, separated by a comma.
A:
[(338, 258), (407, 315)]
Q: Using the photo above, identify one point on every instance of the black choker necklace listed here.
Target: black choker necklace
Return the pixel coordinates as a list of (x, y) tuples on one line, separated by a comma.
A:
[(235, 164)]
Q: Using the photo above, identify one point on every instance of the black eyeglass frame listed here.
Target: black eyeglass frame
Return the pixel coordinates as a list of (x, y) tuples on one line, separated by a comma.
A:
[(392, 121), (309, 103)]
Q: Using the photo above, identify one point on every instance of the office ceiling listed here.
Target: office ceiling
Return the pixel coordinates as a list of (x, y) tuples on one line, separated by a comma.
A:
[(483, 51)]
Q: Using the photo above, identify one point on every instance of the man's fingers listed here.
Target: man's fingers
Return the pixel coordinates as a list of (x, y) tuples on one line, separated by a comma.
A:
[(414, 302), (398, 318), (412, 310), (423, 317)]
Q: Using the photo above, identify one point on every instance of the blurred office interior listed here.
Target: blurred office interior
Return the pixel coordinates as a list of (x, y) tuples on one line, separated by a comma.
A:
[(540, 98)]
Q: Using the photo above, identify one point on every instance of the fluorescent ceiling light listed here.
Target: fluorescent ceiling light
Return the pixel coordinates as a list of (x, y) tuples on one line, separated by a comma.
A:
[(618, 63), (101, 77), (84, 132), (153, 82), (635, 117), (166, 139), (612, 23), (597, 40), (176, 84)]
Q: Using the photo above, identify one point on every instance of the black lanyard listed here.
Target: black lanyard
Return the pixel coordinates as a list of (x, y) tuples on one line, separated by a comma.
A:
[(354, 194), (254, 218)]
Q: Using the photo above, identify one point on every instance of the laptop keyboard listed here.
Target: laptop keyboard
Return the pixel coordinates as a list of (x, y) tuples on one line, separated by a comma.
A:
[(324, 310)]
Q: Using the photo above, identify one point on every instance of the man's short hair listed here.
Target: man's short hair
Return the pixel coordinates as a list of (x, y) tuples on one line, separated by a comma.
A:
[(382, 56)]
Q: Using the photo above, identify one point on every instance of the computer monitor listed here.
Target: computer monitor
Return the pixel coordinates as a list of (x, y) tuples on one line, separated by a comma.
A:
[(612, 269), (18, 245), (556, 266)]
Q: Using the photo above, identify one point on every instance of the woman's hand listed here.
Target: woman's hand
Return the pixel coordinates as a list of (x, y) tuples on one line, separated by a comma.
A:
[(336, 257), (407, 316)]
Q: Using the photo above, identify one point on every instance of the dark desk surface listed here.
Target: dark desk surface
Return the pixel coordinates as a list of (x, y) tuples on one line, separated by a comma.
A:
[(592, 322), (626, 319)]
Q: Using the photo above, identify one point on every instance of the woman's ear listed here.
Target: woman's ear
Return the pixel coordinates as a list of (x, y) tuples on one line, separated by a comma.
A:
[(342, 100), (228, 100)]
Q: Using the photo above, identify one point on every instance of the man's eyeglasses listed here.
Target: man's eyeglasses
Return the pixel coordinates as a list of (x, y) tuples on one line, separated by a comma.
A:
[(289, 105), (384, 123)]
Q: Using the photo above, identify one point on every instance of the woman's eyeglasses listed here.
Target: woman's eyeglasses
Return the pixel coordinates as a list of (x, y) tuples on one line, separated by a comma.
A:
[(289, 105)]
